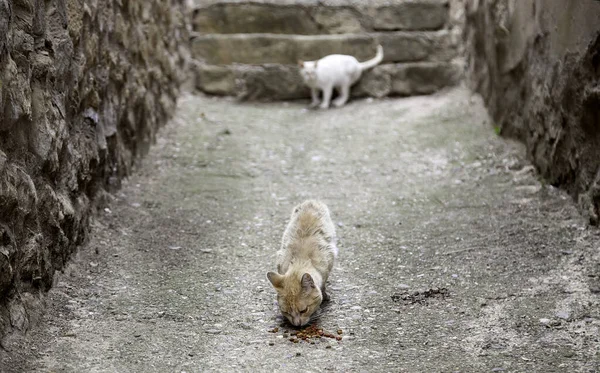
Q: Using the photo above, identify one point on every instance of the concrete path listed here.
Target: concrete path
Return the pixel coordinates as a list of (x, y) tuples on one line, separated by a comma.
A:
[(453, 257)]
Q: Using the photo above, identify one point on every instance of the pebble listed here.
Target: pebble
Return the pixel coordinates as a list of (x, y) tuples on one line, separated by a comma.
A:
[(403, 286), (213, 331), (245, 325), (356, 308), (563, 315), (567, 352), (545, 321)]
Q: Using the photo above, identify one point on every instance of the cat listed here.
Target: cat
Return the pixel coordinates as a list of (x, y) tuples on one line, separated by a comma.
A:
[(308, 250), (334, 71)]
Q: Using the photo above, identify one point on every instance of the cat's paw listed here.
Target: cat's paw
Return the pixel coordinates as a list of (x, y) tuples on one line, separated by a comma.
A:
[(324, 106), (339, 103), (313, 105)]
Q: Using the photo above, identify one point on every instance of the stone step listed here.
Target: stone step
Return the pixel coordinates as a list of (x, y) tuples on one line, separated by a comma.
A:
[(282, 82), (399, 46), (312, 17)]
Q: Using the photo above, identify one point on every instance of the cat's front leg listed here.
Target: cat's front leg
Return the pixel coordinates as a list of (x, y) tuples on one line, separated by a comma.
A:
[(314, 94), (326, 297), (326, 97)]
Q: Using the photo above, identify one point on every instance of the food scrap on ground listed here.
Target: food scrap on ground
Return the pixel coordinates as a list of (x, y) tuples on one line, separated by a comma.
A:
[(310, 334), (420, 296)]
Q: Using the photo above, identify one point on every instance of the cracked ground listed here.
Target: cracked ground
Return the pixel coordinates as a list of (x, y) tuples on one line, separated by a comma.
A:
[(454, 257)]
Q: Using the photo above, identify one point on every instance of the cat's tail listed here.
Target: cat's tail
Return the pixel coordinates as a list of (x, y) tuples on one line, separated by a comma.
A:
[(374, 61)]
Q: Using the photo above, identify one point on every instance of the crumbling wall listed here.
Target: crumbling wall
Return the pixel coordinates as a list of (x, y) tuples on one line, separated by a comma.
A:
[(84, 86), (537, 65)]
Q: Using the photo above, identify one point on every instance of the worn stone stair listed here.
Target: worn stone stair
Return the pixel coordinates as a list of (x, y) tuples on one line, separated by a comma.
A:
[(250, 49)]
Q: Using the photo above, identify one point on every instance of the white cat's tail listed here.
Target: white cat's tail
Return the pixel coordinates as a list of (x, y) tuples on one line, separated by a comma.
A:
[(374, 61)]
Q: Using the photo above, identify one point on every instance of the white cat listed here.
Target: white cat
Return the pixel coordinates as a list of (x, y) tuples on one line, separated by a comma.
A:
[(335, 71)]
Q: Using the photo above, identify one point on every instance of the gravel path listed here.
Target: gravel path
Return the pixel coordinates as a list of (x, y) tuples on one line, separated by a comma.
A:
[(453, 256)]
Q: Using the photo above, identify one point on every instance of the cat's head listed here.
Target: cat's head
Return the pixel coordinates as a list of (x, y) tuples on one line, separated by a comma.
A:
[(308, 70), (297, 295)]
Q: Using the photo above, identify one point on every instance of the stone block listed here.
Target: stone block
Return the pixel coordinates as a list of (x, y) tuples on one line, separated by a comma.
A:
[(280, 82), (424, 77), (288, 49), (318, 17), (216, 80), (254, 18), (409, 15)]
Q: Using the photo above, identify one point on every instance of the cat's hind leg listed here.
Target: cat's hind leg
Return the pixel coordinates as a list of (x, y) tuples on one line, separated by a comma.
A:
[(344, 91), (326, 97), (314, 94)]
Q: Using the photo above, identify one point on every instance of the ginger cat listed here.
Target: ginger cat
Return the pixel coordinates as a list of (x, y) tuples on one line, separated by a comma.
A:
[(335, 71), (304, 262)]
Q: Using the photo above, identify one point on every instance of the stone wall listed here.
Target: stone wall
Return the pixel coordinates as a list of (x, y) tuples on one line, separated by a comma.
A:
[(84, 86), (537, 65)]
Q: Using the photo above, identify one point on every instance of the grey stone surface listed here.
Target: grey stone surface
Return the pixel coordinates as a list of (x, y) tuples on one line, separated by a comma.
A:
[(536, 64), (312, 17), (84, 86), (281, 82), (288, 49), (216, 80), (428, 196), (409, 15), (413, 78), (266, 82)]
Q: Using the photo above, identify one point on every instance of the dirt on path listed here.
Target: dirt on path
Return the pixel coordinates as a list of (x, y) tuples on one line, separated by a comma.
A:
[(453, 256)]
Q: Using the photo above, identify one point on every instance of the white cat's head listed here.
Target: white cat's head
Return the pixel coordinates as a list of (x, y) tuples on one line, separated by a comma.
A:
[(308, 70)]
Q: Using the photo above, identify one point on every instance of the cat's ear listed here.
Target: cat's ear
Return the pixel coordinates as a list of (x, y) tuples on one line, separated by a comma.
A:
[(301, 64), (307, 282), (275, 279)]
